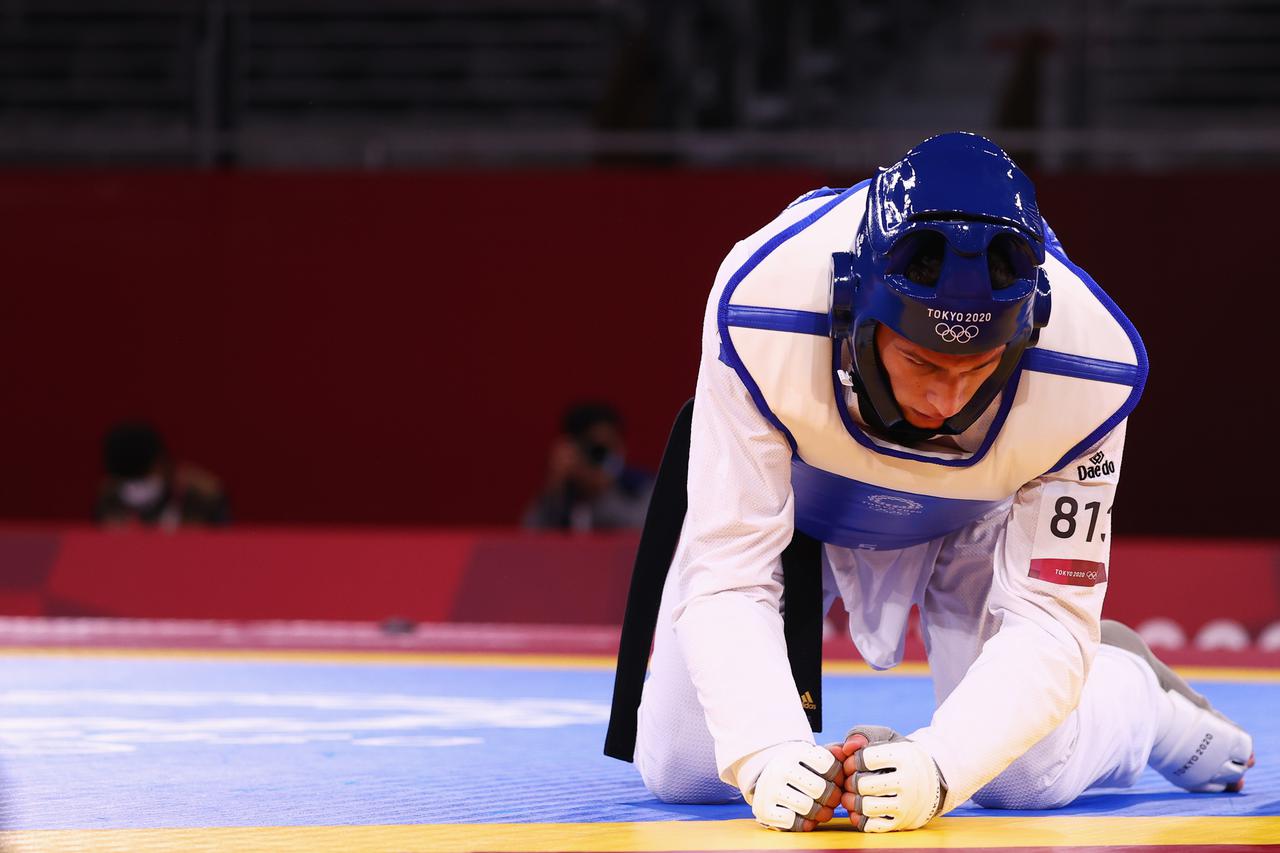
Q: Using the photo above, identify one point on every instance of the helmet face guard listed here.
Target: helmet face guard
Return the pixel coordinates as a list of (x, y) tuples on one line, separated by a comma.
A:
[(961, 198)]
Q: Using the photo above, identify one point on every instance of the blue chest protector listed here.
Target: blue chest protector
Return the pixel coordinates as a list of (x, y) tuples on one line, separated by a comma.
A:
[(853, 514)]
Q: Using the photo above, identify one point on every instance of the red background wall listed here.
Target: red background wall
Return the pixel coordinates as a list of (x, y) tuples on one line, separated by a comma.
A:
[(398, 347), (490, 576)]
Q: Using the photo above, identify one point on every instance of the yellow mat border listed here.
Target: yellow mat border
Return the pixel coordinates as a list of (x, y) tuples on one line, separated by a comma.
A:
[(512, 661), (943, 834)]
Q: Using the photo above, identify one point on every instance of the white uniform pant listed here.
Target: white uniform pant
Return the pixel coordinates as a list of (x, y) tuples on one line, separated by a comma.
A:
[(1105, 742)]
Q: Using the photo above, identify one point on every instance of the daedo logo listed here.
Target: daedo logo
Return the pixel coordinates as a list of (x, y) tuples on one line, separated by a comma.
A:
[(1099, 466)]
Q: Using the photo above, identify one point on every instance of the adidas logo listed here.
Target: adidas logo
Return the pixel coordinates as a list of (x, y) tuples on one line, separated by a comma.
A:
[(806, 701)]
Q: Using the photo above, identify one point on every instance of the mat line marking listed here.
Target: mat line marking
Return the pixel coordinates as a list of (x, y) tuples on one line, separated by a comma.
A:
[(945, 833), (508, 660), (312, 656)]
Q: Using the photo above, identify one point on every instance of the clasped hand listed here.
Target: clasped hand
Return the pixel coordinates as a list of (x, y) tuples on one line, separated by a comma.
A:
[(885, 781)]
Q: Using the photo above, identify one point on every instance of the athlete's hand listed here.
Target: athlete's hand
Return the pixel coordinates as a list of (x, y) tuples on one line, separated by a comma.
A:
[(891, 783), (799, 788)]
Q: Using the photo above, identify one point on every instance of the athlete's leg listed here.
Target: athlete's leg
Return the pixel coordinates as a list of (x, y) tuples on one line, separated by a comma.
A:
[(1106, 741), (1196, 747), (674, 751)]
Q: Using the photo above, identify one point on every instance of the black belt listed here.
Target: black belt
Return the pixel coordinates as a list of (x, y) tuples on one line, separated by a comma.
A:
[(801, 612)]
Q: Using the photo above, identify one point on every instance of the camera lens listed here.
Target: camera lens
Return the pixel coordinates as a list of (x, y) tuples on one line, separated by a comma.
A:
[(596, 453)]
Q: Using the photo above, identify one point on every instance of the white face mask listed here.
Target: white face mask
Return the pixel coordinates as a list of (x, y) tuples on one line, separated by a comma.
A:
[(138, 494)]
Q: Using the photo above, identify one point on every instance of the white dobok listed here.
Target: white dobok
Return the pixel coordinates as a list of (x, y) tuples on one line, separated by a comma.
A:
[(1010, 599)]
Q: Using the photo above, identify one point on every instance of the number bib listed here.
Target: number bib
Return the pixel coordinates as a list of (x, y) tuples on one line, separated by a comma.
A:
[(1070, 545)]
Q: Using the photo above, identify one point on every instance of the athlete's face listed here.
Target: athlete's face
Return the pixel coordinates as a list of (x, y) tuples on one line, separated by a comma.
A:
[(931, 386)]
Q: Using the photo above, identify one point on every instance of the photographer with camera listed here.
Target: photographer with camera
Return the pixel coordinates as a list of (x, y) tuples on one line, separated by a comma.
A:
[(589, 485)]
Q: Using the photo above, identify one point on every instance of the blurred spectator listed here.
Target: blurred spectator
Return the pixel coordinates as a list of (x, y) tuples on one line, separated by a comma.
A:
[(144, 485), (589, 485)]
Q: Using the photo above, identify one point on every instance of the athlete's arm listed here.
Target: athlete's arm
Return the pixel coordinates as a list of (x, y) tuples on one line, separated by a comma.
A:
[(1049, 580), (728, 570)]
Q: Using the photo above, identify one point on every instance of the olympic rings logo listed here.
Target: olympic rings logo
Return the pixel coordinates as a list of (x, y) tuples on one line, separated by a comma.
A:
[(956, 334)]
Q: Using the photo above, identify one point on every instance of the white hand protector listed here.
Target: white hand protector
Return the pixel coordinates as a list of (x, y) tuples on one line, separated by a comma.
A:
[(898, 785), (793, 785)]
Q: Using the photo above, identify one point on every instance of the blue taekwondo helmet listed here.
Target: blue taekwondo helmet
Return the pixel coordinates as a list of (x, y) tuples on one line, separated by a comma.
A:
[(958, 198)]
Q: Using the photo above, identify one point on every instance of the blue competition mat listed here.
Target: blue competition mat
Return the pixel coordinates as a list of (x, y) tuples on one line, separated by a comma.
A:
[(134, 742)]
